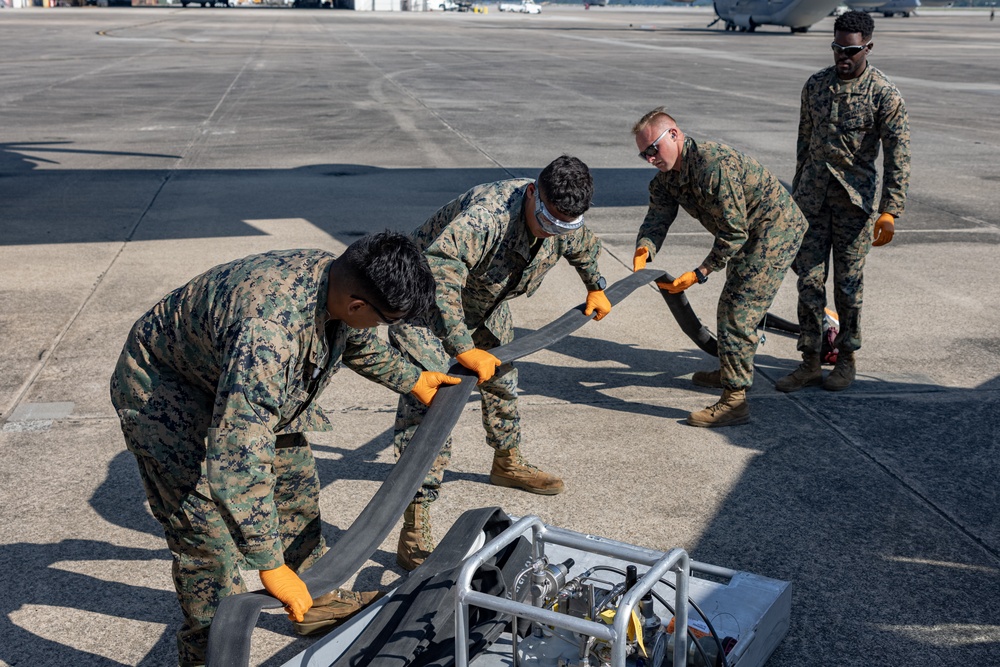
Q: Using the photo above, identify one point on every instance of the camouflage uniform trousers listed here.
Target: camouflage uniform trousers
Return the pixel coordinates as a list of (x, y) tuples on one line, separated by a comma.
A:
[(845, 229), (498, 397), (165, 422), (752, 281)]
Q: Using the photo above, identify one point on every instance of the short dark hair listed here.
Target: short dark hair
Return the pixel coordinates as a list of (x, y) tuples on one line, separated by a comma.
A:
[(568, 185), (388, 269), (855, 21)]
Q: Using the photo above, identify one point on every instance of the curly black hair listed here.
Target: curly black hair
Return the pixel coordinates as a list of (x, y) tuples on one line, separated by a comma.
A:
[(855, 21), (389, 270), (568, 185)]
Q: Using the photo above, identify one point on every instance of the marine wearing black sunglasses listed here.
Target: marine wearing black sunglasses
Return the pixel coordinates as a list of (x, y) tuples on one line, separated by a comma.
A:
[(848, 113), (849, 51)]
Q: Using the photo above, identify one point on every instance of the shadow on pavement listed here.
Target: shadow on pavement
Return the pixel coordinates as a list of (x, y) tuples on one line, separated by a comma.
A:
[(344, 200), (33, 577)]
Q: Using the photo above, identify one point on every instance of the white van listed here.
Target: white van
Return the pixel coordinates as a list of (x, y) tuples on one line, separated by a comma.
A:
[(524, 7)]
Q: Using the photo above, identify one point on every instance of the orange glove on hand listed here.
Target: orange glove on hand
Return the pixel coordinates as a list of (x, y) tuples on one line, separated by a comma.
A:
[(680, 284), (640, 259), (285, 585), (596, 300), (885, 227), (482, 362), (428, 383)]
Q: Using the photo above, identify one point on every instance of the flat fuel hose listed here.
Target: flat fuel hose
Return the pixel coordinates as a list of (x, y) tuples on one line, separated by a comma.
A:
[(236, 617)]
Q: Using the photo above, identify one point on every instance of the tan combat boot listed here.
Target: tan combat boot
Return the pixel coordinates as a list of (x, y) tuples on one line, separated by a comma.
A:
[(710, 379), (808, 374), (511, 470), (334, 608), (731, 410), (415, 539), (842, 375)]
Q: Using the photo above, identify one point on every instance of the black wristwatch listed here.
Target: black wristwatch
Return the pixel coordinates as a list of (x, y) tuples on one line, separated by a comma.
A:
[(601, 284), (702, 278)]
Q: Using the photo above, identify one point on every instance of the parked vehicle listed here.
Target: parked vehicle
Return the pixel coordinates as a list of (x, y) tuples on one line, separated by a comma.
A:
[(524, 7)]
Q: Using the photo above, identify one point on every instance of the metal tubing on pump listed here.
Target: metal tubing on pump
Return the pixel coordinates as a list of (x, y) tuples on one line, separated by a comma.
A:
[(676, 560)]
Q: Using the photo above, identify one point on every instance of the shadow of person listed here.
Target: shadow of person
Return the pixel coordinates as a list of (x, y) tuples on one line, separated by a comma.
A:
[(120, 499), (607, 366), (45, 587)]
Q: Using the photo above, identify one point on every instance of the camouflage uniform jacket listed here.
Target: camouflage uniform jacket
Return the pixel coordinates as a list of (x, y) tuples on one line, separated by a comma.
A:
[(841, 124), (729, 193), (255, 335), (478, 244)]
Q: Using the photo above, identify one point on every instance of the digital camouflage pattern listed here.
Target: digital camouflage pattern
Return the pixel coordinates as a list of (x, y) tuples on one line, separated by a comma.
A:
[(841, 125), (846, 230), (482, 253), (214, 387), (475, 243), (498, 396), (757, 229)]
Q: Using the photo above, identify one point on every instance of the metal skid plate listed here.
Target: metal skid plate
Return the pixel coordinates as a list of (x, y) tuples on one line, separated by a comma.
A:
[(754, 610)]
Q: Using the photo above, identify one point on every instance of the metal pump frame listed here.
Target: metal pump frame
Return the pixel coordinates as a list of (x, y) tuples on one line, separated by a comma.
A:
[(676, 560)]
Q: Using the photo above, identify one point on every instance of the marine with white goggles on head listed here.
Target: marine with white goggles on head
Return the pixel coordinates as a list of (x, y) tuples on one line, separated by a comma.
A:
[(495, 242)]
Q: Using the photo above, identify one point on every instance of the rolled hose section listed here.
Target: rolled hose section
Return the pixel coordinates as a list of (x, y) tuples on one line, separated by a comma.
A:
[(702, 336), (687, 319)]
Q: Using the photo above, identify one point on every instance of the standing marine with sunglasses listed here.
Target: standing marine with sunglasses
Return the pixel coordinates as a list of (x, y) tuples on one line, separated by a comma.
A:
[(215, 388), (848, 110), (495, 242), (757, 229)]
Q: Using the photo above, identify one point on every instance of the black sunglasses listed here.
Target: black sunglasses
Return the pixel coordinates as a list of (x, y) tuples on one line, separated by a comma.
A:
[(385, 320), (652, 149), (849, 51)]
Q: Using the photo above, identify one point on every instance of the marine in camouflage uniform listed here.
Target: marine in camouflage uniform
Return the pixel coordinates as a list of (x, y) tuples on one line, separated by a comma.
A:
[(757, 229), (847, 111), (484, 250), (214, 388)]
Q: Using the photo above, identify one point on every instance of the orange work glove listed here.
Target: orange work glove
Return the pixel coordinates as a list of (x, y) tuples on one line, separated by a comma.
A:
[(680, 284), (640, 259), (885, 227), (596, 300), (482, 362), (285, 585), (428, 383)]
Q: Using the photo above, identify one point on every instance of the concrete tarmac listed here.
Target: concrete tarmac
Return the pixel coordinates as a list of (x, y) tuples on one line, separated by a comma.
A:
[(143, 146)]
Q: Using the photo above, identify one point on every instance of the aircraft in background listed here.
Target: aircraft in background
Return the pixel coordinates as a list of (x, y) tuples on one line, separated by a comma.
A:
[(797, 15), (902, 8)]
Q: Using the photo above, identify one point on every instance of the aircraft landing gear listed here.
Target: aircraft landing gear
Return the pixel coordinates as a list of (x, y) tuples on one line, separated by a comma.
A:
[(801, 29)]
